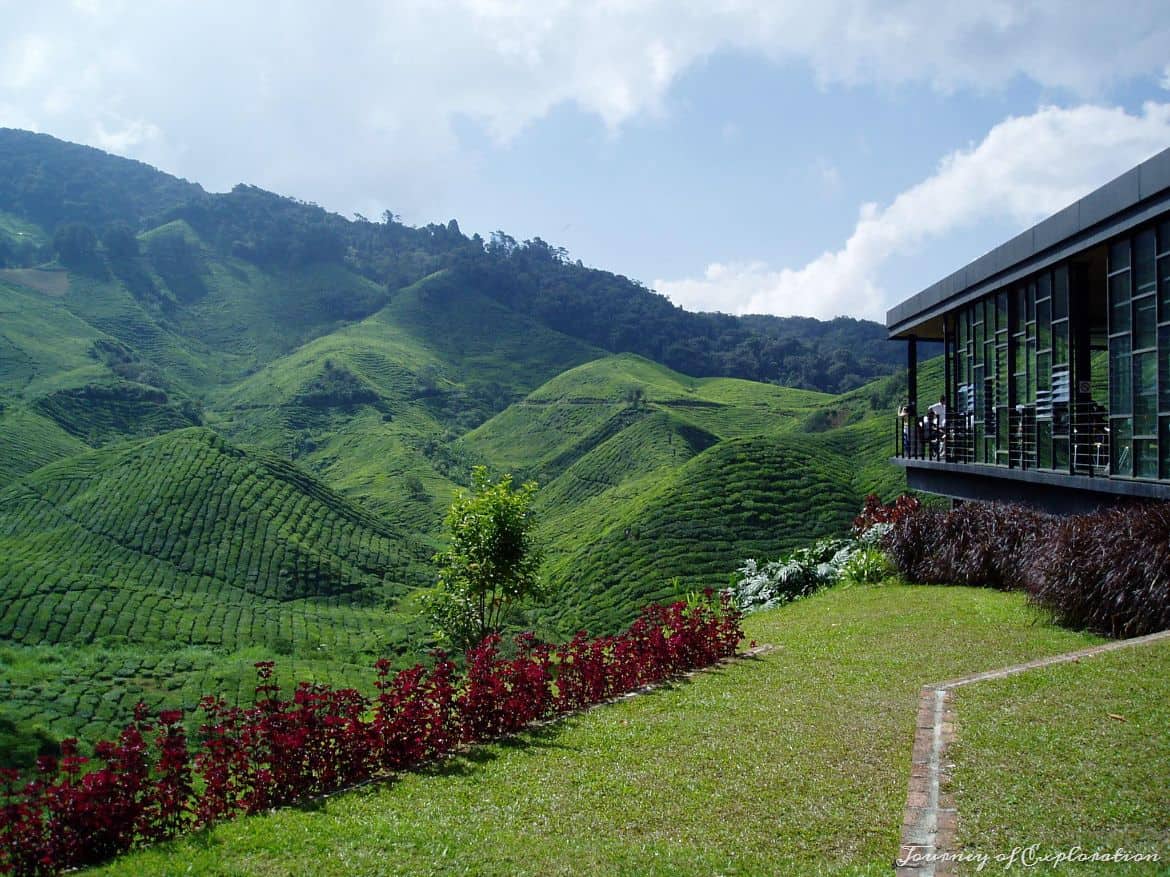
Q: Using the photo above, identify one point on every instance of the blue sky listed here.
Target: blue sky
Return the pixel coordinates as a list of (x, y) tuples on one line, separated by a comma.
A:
[(746, 157)]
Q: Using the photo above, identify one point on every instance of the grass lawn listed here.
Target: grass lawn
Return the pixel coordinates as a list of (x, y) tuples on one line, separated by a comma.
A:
[(795, 762), (1075, 754)]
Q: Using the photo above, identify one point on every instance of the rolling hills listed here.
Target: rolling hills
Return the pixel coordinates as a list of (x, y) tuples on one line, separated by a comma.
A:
[(230, 426), (654, 483), (185, 559)]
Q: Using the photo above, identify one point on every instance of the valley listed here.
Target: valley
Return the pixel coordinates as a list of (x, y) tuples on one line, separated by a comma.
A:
[(230, 426)]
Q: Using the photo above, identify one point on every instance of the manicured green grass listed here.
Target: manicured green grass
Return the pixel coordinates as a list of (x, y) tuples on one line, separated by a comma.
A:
[(1075, 754), (795, 762)]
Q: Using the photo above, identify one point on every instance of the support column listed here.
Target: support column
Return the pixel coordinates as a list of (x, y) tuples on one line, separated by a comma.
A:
[(912, 372)]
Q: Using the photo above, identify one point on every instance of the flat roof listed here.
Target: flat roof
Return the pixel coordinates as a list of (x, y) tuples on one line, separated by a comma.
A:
[(1139, 194)]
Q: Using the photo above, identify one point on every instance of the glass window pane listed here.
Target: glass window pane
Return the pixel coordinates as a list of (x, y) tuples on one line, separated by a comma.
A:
[(1031, 311), (1001, 376), (1001, 428), (1119, 256), (1143, 262), (1043, 323), (1145, 386), (1043, 286), (1060, 293), (1145, 324), (1120, 446), (1060, 343), (1164, 237), (1164, 288), (1030, 395), (1164, 368), (1021, 298), (1145, 458), (1164, 445), (1060, 400), (1120, 376), (1043, 372), (1119, 302), (1060, 454), (1044, 444), (1001, 311)]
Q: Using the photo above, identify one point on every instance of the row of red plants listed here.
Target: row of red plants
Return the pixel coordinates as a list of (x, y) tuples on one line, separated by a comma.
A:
[(152, 784)]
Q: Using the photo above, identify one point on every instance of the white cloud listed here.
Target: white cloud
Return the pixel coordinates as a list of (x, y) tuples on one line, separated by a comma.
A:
[(1024, 169), (1166, 78), (124, 135), (357, 104)]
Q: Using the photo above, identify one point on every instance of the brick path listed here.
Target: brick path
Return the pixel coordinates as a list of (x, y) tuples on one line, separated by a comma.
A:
[(928, 824)]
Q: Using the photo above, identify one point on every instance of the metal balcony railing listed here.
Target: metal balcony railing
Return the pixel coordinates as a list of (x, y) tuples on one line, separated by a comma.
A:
[(1075, 438)]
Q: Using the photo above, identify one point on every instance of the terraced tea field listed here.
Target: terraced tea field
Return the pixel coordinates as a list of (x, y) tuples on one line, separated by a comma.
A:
[(187, 540), (162, 569), (653, 483), (751, 497)]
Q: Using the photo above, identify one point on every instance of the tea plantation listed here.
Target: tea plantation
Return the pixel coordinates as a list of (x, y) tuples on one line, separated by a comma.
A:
[(231, 432)]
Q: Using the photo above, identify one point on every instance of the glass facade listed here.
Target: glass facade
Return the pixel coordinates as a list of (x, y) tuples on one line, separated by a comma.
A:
[(1024, 363)]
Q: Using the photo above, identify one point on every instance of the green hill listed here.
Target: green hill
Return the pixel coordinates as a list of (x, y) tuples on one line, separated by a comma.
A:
[(654, 483), (583, 407), (161, 570), (374, 408), (748, 497), (83, 207), (230, 426), (186, 539)]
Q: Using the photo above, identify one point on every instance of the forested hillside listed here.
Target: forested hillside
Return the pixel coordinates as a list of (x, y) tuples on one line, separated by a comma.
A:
[(83, 203), (230, 426)]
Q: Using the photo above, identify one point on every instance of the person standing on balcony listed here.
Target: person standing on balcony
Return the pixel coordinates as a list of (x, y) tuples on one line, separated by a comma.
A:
[(939, 410), (937, 425)]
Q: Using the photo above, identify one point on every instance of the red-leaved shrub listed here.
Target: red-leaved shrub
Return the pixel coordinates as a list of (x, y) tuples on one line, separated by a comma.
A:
[(984, 544), (148, 785), (874, 512), (1108, 571)]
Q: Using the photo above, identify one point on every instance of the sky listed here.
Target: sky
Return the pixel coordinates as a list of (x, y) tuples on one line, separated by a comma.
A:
[(822, 159)]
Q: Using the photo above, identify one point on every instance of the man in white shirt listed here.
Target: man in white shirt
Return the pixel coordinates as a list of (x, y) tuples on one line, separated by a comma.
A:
[(939, 410), (936, 422)]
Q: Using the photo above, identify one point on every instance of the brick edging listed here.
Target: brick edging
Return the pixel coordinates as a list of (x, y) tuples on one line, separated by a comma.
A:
[(928, 821)]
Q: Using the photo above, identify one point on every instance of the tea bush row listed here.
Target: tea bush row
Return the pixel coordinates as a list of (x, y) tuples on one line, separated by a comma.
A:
[(151, 784)]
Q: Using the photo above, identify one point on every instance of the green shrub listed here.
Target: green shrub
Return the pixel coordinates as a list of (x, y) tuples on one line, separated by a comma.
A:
[(866, 565)]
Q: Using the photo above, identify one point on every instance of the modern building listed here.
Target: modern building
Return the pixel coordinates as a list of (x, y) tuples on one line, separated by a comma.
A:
[(1056, 363)]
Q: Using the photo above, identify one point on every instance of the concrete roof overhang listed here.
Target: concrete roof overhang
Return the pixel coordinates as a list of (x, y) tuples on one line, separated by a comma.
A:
[(1135, 197)]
